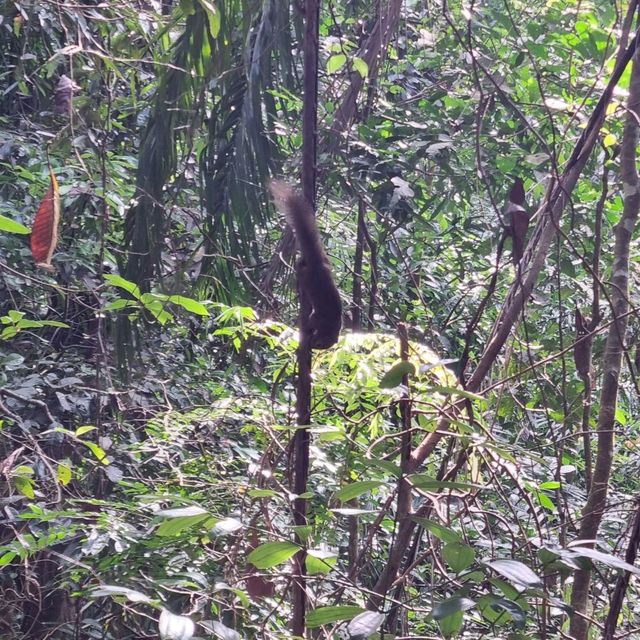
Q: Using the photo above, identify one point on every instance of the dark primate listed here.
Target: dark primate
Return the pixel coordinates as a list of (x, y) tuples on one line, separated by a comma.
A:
[(314, 271), (517, 220), (582, 346)]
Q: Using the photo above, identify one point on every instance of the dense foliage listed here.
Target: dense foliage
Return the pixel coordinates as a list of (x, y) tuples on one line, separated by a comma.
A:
[(148, 379)]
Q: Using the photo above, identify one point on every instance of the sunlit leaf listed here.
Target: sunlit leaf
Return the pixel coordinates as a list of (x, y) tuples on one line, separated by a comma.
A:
[(174, 627), (118, 281), (393, 377), (329, 615), (190, 305), (226, 526), (97, 451), (64, 473), (336, 62), (516, 572), (606, 558), (24, 485), (179, 520), (112, 590), (271, 554), (11, 226), (321, 562), (361, 67), (365, 624), (356, 489)]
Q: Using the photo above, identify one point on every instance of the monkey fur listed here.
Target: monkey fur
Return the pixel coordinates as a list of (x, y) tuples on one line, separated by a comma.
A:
[(315, 276), (517, 220)]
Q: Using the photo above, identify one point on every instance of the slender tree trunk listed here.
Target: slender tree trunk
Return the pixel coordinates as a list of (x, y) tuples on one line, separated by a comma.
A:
[(612, 360), (303, 400), (356, 304)]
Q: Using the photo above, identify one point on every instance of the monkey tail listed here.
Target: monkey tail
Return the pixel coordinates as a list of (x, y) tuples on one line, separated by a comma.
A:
[(302, 219)]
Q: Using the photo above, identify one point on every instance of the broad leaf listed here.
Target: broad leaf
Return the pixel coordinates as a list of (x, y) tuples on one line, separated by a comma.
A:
[(271, 554), (329, 615), (356, 489), (516, 572)]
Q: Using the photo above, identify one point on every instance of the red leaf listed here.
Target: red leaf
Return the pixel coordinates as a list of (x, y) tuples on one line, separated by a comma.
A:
[(44, 232)]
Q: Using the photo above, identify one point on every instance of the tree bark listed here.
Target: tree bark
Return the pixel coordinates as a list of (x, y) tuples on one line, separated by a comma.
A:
[(303, 398)]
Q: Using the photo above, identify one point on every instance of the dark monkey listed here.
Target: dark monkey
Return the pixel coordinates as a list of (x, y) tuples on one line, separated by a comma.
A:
[(315, 273), (517, 220)]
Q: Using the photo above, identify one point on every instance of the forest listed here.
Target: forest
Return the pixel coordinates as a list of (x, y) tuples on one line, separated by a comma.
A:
[(319, 319)]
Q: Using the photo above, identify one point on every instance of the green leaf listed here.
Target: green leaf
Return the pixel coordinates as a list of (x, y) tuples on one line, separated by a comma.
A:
[(214, 17), (393, 377), (621, 416), (605, 558), (190, 305), (53, 323), (356, 489), (609, 140), (455, 391), (24, 470), (157, 308), (263, 493), (319, 562), (361, 67), (336, 62), (11, 226), (515, 572), (7, 558), (458, 556), (24, 485), (545, 501), (121, 303), (97, 451), (271, 554), (330, 615), (438, 530), (514, 610), (451, 625), (118, 281), (80, 431), (174, 526), (8, 333), (451, 606), (63, 473)]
